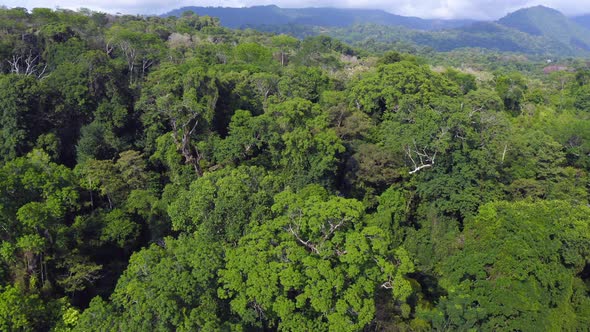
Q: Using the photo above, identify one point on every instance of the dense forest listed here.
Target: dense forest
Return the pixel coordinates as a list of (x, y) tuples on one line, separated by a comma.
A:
[(162, 174)]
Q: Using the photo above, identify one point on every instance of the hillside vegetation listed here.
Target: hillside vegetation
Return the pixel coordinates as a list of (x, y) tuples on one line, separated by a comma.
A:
[(543, 21), (536, 30), (238, 18)]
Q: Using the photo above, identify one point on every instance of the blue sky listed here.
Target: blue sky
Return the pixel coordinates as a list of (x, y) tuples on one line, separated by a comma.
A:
[(478, 9)]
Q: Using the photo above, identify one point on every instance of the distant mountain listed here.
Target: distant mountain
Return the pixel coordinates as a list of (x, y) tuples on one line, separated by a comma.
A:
[(326, 17), (536, 30), (550, 23), (582, 20), (492, 36), (484, 35)]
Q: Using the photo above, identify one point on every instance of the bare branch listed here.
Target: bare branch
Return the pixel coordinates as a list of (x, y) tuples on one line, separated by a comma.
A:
[(190, 153), (194, 127), (42, 73), (504, 152), (419, 168), (307, 244), (387, 285), (109, 48), (30, 63), (26, 66), (426, 159), (259, 310), (333, 228), (15, 64), (341, 253)]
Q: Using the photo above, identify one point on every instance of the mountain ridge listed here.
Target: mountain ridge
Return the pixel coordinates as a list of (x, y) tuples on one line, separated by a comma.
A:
[(549, 22), (582, 20), (533, 30), (237, 18)]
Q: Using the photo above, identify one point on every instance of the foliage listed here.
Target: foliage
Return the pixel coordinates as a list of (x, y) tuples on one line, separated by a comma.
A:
[(312, 267), (518, 268), (163, 174)]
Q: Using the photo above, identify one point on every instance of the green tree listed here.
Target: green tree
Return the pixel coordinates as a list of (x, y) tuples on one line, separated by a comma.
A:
[(314, 266), (518, 269), (382, 90), (285, 45), (253, 54), (164, 288), (37, 197), (19, 311), (19, 105), (466, 82), (183, 98), (511, 88), (140, 48), (210, 206), (303, 82)]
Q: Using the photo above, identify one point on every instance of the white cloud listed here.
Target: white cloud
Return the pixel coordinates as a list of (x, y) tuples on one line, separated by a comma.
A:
[(477, 9)]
